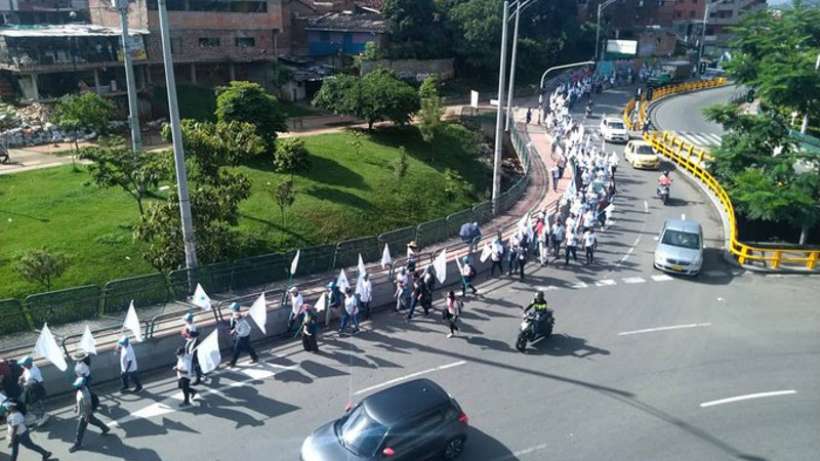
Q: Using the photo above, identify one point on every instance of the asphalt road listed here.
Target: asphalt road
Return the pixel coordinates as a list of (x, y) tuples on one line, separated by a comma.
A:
[(635, 356), (685, 113)]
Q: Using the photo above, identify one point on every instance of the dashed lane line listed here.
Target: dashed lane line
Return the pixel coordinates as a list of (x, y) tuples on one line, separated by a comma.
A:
[(661, 278), (672, 327), (605, 283), (634, 280), (739, 398)]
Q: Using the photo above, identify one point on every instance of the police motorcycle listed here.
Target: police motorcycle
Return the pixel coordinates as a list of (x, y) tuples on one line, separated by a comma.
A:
[(538, 322)]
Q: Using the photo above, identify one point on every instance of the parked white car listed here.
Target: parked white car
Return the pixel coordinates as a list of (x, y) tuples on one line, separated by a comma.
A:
[(613, 129)]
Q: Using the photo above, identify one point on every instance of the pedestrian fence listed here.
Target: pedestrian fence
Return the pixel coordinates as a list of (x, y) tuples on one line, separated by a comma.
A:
[(89, 302), (692, 159)]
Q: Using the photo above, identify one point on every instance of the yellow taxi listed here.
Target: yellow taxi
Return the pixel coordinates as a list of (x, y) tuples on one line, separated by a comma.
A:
[(641, 155)]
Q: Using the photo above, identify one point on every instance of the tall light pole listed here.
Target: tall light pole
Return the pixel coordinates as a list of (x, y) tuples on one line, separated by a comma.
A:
[(499, 141), (601, 7), (176, 134), (805, 125), (706, 9), (130, 81), (512, 64)]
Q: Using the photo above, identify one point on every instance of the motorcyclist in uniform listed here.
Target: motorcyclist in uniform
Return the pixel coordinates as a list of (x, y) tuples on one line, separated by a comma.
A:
[(542, 312)]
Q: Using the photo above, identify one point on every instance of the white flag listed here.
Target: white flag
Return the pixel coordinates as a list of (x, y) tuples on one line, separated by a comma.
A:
[(295, 263), (360, 285), (341, 281), (47, 347), (486, 252), (440, 265), (460, 267), (132, 322), (321, 304), (87, 342), (361, 267), (201, 298), (208, 355), (259, 312), (386, 259)]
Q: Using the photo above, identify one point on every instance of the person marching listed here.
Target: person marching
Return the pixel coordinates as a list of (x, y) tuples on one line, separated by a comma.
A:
[(310, 331), (496, 256), (18, 433), (295, 316), (350, 312), (82, 367), (467, 274), (241, 331), (191, 334), (572, 245), (452, 312), (366, 295), (33, 389), (84, 407), (128, 365), (184, 370), (590, 242)]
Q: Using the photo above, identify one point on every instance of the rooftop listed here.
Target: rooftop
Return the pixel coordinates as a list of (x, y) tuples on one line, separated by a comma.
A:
[(65, 30), (348, 22)]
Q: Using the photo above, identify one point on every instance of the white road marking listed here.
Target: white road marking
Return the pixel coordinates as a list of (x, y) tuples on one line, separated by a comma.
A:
[(637, 241), (633, 280), (645, 206), (661, 278), (605, 283), (759, 395), (673, 327), (579, 285), (526, 451), (411, 375)]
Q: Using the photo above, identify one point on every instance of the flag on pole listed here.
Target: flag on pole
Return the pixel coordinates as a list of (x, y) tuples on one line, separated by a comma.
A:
[(132, 322), (47, 347), (259, 312), (201, 298), (440, 265), (341, 281), (361, 267), (295, 263), (208, 355), (486, 252), (386, 259), (460, 267), (359, 286), (321, 304), (87, 342)]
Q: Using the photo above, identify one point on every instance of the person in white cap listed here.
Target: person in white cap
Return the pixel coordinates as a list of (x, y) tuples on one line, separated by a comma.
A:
[(18, 433), (191, 334), (85, 405), (241, 331), (128, 366), (296, 305), (33, 389), (82, 366)]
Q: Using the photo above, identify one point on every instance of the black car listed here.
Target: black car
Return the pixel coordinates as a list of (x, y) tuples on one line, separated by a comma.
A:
[(416, 420)]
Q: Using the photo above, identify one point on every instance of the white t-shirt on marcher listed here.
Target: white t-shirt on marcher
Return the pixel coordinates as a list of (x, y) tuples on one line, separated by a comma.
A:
[(296, 303), (16, 419), (82, 370), (589, 239), (32, 375), (351, 306), (127, 355)]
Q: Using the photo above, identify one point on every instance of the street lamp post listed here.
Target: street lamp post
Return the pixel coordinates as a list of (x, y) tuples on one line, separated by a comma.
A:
[(176, 135), (706, 9), (601, 7), (130, 80), (512, 65), (500, 111)]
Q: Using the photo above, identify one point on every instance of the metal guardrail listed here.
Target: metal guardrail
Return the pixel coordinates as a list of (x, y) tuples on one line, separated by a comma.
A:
[(691, 158)]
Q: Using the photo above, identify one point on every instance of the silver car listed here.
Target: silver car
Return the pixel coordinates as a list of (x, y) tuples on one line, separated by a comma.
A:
[(680, 247)]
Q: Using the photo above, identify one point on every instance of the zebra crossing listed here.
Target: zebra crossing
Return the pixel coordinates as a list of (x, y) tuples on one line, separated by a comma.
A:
[(699, 139)]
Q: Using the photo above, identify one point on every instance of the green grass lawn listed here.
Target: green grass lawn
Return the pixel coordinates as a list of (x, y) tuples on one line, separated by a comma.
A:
[(344, 195)]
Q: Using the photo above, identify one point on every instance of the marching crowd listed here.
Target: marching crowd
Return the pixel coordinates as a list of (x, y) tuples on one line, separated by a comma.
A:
[(571, 225)]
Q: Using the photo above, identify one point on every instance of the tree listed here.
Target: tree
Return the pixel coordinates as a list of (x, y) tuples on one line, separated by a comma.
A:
[(42, 266), (377, 96), (87, 111), (284, 195), (116, 166), (357, 142), (249, 102), (291, 156), (401, 164), (776, 55), (763, 185), (431, 112), (414, 29)]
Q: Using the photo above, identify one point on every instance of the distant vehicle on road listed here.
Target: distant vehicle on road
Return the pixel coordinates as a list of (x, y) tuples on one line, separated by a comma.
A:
[(641, 155), (613, 129), (671, 72), (416, 420), (680, 247)]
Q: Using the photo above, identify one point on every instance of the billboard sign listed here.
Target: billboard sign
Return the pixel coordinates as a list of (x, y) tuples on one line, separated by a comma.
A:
[(627, 47)]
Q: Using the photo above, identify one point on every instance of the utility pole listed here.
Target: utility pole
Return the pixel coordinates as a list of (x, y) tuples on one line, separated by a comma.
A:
[(130, 81), (598, 31), (499, 117), (805, 125), (706, 9), (512, 66), (188, 239)]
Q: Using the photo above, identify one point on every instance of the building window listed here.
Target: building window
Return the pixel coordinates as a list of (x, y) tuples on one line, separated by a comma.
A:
[(208, 42), (245, 42)]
